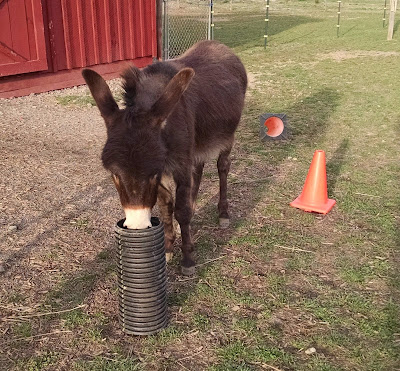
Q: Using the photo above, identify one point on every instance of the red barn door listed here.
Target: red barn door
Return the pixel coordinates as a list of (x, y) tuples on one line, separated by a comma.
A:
[(22, 42)]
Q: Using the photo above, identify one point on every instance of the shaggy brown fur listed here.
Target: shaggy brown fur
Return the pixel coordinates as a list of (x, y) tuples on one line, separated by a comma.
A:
[(178, 114)]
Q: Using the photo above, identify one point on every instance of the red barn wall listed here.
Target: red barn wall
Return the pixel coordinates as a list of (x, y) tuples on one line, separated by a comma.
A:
[(102, 34)]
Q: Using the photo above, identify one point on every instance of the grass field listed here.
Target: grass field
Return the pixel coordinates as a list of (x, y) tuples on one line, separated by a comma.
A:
[(281, 289)]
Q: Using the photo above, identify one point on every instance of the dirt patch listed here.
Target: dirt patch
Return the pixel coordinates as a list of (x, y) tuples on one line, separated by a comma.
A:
[(51, 230), (252, 79), (342, 55)]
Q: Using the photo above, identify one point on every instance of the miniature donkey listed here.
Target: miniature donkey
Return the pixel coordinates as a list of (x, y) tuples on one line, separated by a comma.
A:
[(178, 114)]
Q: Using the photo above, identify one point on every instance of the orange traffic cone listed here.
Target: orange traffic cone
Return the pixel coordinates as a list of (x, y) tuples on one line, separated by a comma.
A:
[(314, 196)]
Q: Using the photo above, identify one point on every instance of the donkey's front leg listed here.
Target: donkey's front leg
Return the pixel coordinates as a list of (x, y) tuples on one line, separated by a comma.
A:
[(183, 214), (223, 164), (197, 175), (166, 206)]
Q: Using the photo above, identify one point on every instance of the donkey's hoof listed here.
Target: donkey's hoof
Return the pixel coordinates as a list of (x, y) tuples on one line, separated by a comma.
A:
[(169, 256), (188, 271), (224, 223)]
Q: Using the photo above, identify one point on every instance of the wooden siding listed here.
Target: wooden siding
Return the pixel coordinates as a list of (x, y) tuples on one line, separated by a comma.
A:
[(91, 32), (60, 37), (22, 41)]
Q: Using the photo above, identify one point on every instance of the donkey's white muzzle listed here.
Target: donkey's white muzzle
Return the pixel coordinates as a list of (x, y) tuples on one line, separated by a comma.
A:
[(137, 218)]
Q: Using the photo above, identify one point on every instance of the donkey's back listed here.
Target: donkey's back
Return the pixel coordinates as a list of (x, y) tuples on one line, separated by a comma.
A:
[(215, 61), (216, 94)]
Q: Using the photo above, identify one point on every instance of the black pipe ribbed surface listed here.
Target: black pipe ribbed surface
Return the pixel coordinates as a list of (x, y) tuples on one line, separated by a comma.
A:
[(141, 271)]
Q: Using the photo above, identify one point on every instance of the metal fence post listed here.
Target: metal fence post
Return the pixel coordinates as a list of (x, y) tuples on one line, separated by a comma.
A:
[(384, 15), (266, 24), (211, 20), (165, 32)]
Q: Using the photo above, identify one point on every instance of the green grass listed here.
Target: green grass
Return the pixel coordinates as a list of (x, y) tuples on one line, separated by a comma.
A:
[(72, 291), (339, 99), (41, 362), (80, 223), (23, 330), (76, 318), (80, 100), (239, 356), (76, 100), (102, 364), (289, 280), (16, 298)]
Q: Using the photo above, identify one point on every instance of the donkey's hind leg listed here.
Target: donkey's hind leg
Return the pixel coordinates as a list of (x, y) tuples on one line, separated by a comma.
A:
[(224, 163), (166, 206)]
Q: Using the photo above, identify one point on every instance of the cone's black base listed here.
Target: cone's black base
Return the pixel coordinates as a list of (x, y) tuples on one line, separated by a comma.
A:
[(141, 271)]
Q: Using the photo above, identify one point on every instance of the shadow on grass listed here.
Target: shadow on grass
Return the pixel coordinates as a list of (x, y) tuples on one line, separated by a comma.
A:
[(248, 29), (347, 31), (309, 120), (76, 288), (396, 27), (395, 279), (87, 199), (62, 305), (335, 164), (299, 37)]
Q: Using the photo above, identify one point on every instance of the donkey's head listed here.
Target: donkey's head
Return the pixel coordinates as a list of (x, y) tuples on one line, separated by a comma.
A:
[(134, 152)]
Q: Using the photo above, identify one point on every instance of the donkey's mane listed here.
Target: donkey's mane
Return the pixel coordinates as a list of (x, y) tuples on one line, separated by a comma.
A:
[(165, 68), (132, 76)]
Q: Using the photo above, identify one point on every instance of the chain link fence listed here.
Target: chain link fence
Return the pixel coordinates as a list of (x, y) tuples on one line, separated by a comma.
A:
[(184, 23)]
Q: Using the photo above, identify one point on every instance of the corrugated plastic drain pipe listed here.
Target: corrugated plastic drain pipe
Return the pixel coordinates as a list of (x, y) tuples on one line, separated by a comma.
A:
[(142, 281)]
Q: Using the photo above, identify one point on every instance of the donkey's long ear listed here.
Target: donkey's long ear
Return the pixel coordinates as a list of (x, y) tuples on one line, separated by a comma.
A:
[(172, 93), (101, 93)]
